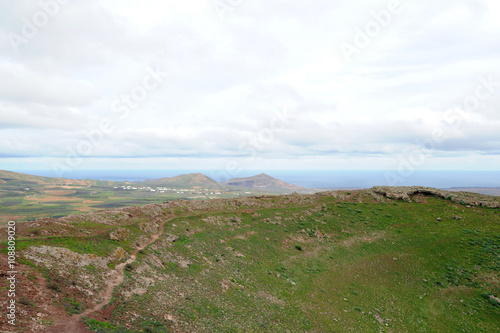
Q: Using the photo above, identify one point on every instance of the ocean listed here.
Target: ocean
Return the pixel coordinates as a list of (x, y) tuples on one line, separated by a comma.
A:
[(327, 179)]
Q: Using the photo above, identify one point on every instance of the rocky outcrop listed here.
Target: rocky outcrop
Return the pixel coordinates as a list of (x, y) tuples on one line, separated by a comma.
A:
[(465, 198)]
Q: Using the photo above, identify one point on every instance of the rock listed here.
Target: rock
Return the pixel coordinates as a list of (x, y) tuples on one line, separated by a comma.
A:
[(465, 198), (438, 219), (119, 234), (171, 238)]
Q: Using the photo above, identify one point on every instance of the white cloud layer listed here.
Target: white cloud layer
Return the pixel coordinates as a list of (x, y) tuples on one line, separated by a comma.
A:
[(234, 70)]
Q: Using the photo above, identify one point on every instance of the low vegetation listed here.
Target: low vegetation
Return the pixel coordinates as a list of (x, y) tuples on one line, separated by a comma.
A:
[(363, 261)]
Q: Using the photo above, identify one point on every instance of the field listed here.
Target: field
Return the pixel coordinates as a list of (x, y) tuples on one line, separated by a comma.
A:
[(27, 198), (333, 262)]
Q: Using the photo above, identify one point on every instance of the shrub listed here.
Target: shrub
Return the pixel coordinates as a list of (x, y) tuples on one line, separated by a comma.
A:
[(54, 286), (298, 247), (25, 301), (72, 306), (493, 301), (485, 295), (100, 326)]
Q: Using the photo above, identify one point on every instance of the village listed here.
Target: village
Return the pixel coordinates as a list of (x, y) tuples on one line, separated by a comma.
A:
[(187, 191)]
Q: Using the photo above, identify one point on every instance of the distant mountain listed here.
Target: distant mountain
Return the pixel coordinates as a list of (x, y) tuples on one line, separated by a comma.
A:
[(187, 180), (481, 190), (16, 178), (263, 181), (260, 183)]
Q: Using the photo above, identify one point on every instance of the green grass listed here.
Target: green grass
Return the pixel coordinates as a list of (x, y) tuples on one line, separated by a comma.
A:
[(323, 266), (72, 306), (99, 245), (394, 264), (101, 326)]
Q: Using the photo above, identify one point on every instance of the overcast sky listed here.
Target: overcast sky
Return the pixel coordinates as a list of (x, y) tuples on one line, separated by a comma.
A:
[(251, 84)]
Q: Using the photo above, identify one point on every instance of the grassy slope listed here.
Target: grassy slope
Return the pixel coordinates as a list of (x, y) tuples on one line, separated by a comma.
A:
[(375, 266), (318, 265)]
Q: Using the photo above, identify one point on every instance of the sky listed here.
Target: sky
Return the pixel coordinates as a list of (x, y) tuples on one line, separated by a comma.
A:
[(249, 84)]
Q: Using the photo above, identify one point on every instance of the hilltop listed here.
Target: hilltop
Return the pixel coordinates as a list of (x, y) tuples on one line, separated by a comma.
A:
[(402, 259), (263, 181), (22, 179), (185, 181)]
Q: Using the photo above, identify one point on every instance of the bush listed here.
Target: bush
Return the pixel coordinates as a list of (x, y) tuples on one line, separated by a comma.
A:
[(154, 327), (298, 247), (25, 301), (493, 302), (485, 295), (54, 286), (100, 326), (72, 306)]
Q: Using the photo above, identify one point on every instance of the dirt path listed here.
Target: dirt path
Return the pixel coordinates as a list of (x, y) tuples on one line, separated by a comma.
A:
[(74, 325)]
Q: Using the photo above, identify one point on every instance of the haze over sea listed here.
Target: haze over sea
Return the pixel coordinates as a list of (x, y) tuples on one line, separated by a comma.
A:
[(306, 178)]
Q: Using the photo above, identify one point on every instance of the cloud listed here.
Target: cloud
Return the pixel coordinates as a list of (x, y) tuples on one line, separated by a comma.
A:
[(22, 85), (39, 116), (229, 77)]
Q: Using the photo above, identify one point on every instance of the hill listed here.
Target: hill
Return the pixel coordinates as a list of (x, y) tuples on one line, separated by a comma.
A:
[(483, 190), (186, 181), (263, 181), (378, 260), (16, 178)]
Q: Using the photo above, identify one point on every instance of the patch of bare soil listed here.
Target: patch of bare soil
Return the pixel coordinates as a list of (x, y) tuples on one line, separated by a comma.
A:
[(115, 279), (7, 218), (91, 202), (50, 198), (59, 192), (35, 309)]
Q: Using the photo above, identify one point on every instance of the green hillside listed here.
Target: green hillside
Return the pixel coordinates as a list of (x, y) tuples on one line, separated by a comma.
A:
[(361, 261)]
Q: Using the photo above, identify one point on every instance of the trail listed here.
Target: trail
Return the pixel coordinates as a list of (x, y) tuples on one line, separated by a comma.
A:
[(74, 324)]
